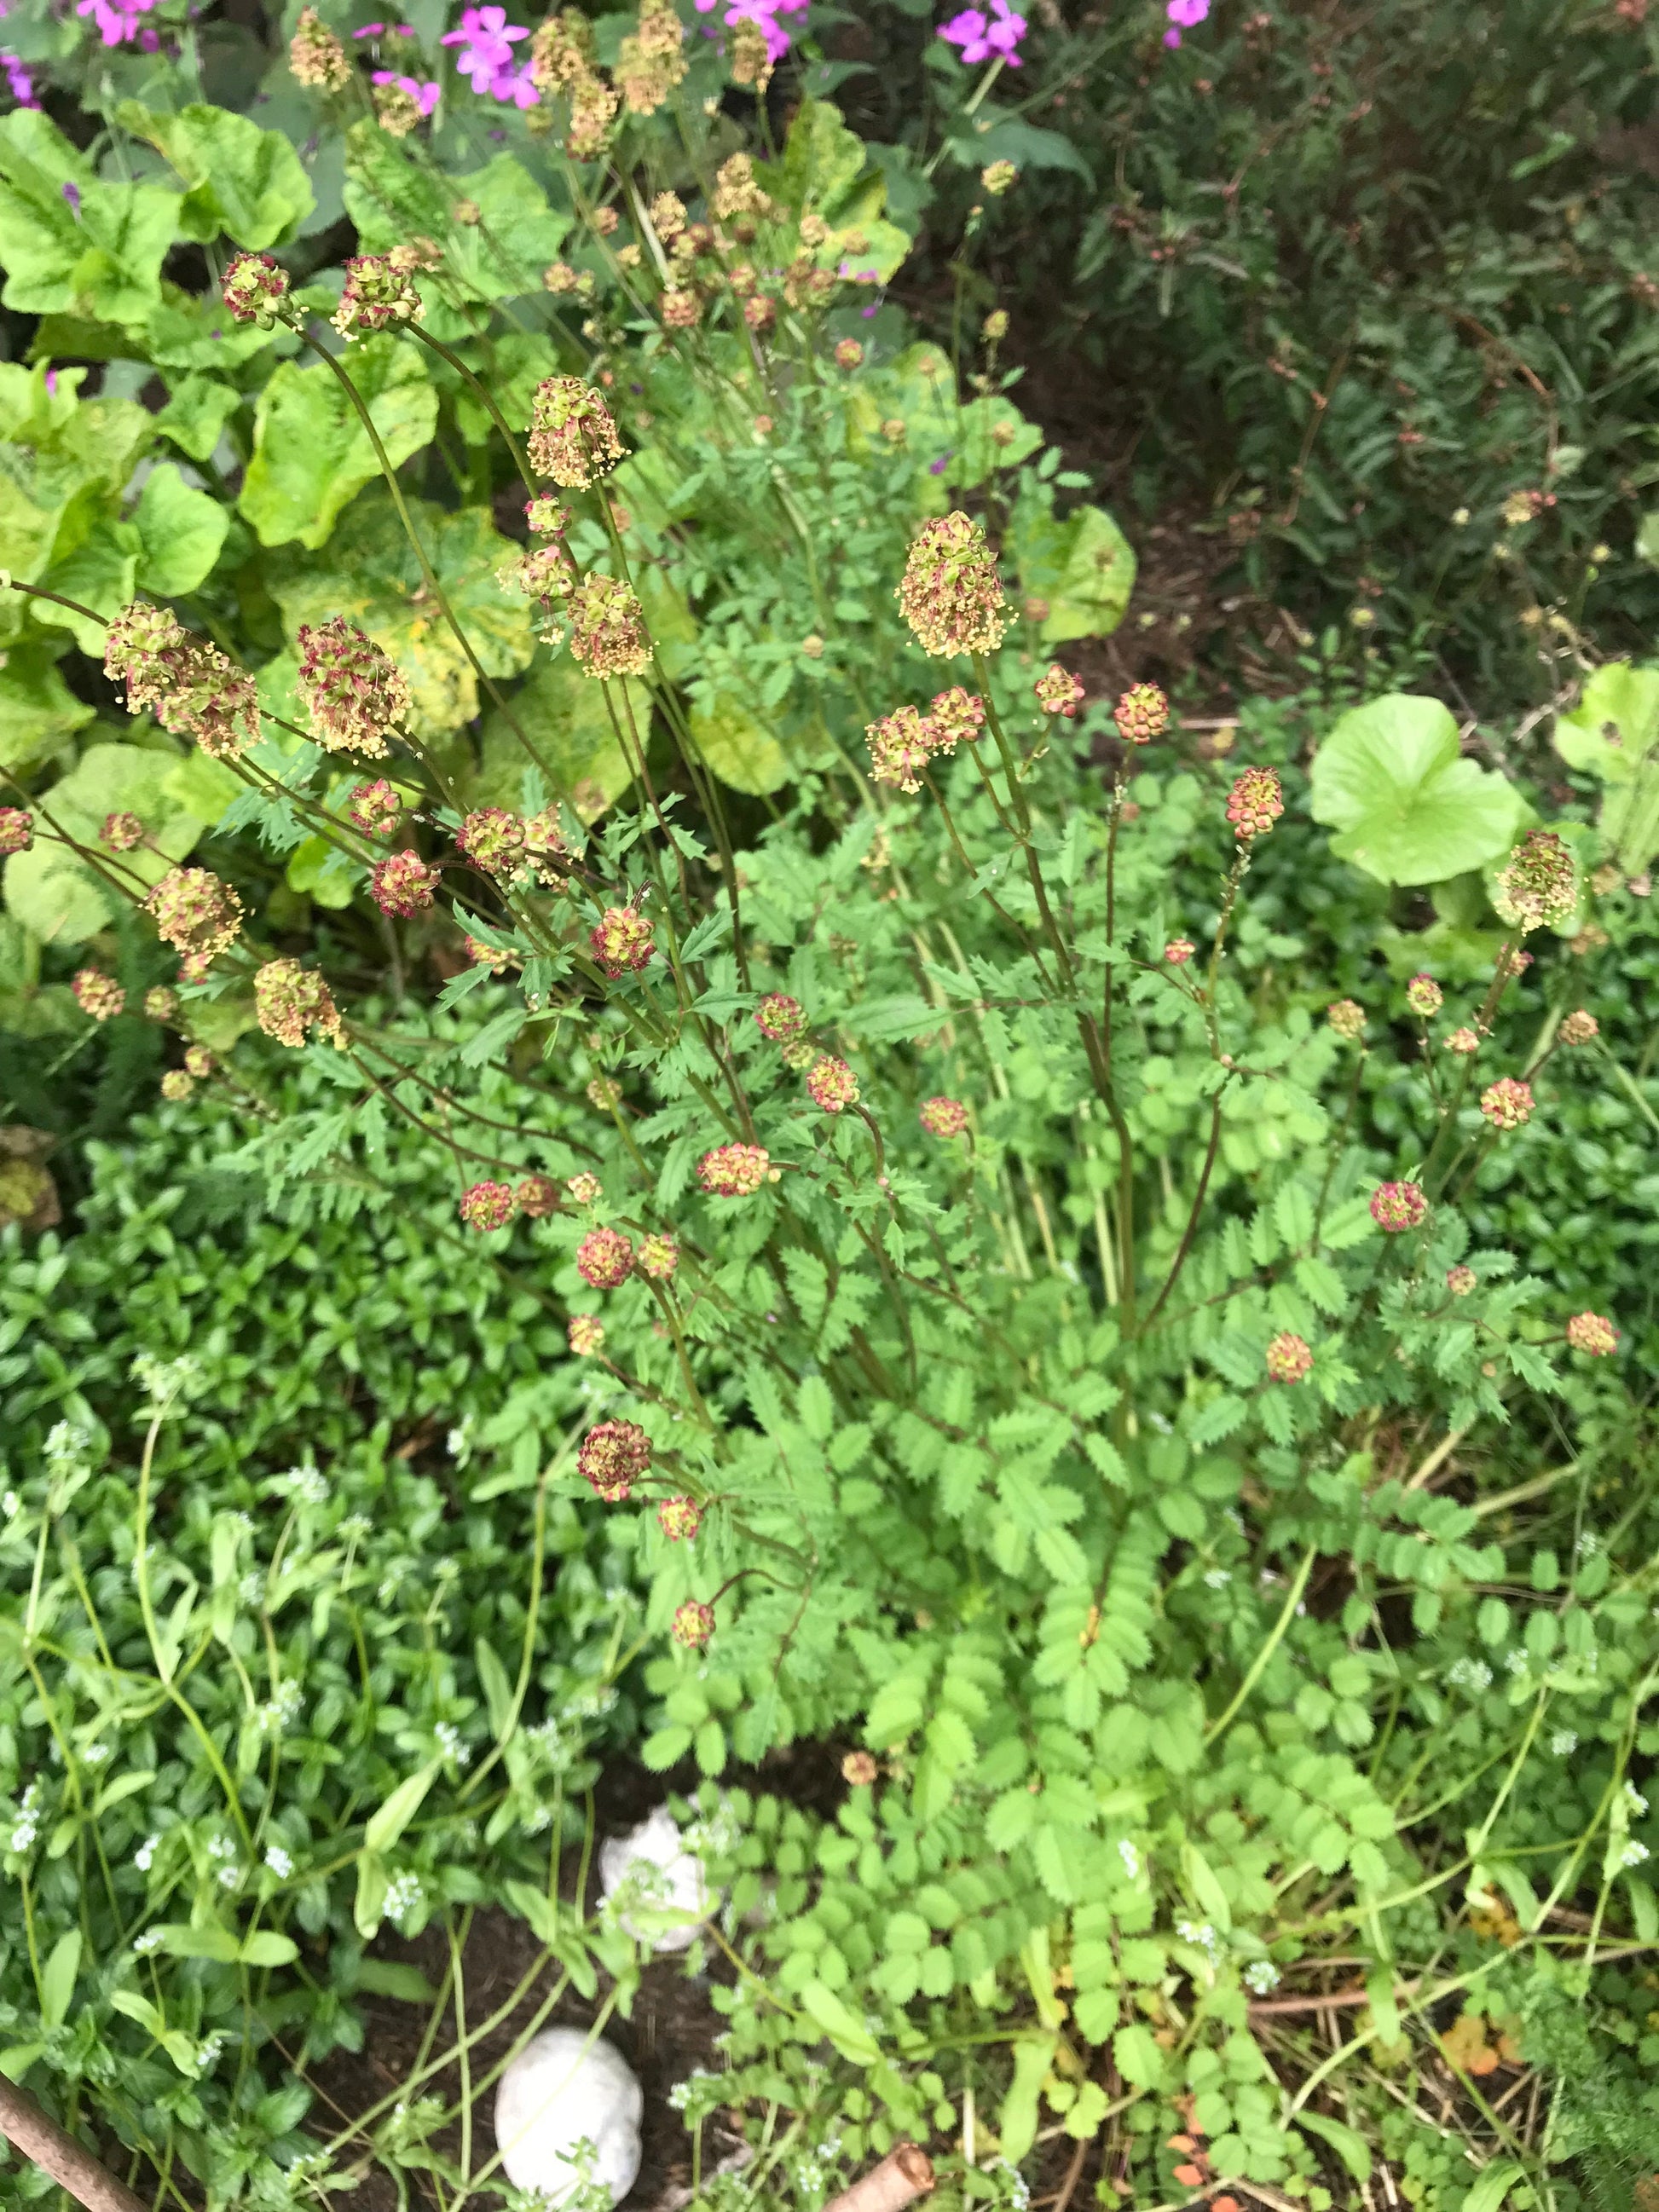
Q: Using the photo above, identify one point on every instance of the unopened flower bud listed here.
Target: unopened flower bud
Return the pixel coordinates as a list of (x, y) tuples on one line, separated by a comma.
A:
[(1579, 1028), (374, 808), (586, 1335), (160, 1004), (831, 1083), (1179, 951), (536, 1196), (1464, 1042), (734, 1171), (402, 883), (351, 689), (1254, 804), (779, 1017), (492, 838), (693, 1625), (1461, 1281), (376, 294), (1424, 996), (584, 1190), (679, 1519), (1058, 692), (622, 943), (1142, 714), (1507, 1104), (1593, 1334), (848, 354), (997, 178), (255, 288), (16, 829), (198, 1062), (176, 1084)]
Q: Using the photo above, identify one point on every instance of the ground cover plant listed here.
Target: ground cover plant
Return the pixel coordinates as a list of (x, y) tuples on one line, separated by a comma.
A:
[(850, 1193)]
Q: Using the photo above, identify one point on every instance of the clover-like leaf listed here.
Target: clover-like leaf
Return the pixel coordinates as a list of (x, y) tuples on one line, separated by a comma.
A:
[(1408, 808)]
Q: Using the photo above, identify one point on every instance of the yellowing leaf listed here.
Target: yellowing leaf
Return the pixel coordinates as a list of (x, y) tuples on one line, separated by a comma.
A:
[(311, 452)]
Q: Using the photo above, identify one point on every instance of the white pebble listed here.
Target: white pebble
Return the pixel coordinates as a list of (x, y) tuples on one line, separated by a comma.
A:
[(561, 2091), (653, 1866)]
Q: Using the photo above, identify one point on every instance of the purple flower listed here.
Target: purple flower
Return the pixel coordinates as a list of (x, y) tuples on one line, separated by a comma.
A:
[(19, 82), (51, 383), (72, 194), (425, 96), (763, 14), (1189, 14), (515, 85), (985, 37), (486, 38), (117, 20), (937, 468)]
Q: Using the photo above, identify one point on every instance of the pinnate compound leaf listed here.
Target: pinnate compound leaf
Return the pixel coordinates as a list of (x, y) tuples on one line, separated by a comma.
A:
[(1408, 808)]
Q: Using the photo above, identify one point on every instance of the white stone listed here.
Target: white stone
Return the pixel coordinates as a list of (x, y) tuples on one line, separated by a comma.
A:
[(560, 2091), (652, 1864)]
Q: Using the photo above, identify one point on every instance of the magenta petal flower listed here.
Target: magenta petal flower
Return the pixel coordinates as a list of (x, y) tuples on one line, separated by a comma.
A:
[(1189, 14), (486, 39), (985, 37), (515, 85)]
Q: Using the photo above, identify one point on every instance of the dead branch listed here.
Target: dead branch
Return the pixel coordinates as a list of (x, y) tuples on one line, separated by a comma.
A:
[(904, 2174), (56, 2152)]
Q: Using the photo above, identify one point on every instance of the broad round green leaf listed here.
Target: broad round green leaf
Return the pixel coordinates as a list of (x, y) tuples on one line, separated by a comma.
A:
[(58, 896), (1409, 809), (182, 530), (1612, 730), (311, 452)]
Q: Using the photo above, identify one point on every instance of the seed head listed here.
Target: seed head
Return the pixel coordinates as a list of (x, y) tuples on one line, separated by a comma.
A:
[(622, 941), (950, 594), (402, 883), (736, 191), (536, 1196), (1289, 1359), (1179, 951), (1058, 691), (98, 994), (659, 1256), (900, 746), (693, 1625), (955, 717), (352, 691), (584, 1190), (176, 1084), (374, 808), (859, 1769), (198, 1062), (1461, 1281), (16, 829), (562, 49), (680, 310), (849, 354), (289, 1000), (1464, 1042), (779, 1016), (1424, 996), (943, 1117), (1535, 889), (1579, 1028), (593, 110), (604, 1259), (612, 1457), (488, 1206), (573, 438), (133, 645), (1141, 714), (1256, 804), (734, 1171), (608, 635), (377, 294), (316, 56), (586, 1335), (492, 838), (160, 1004), (255, 288), (1398, 1206), (831, 1083), (997, 178), (1507, 1104), (195, 913), (1592, 1333)]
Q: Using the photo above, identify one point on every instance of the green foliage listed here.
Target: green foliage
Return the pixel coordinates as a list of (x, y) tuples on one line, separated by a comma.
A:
[(1391, 778)]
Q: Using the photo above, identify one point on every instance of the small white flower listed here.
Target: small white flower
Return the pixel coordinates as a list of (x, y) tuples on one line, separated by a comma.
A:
[(449, 1742), (1471, 1675), (1261, 1975), (66, 1446), (149, 1941), (9, 1504), (1638, 1802), (1131, 1858), (305, 1486), (207, 2050), (1589, 1545), (96, 1753), (1517, 1663), (403, 1894), (1633, 1853), (27, 1825), (1218, 1578), (144, 1858), (1563, 1743), (279, 1862)]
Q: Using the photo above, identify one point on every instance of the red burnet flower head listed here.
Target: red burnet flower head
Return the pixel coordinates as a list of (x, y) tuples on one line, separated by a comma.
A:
[(586, 1335), (98, 994), (679, 1519), (1593, 1334), (495, 956), (848, 353), (1347, 1017), (955, 717), (584, 1190), (680, 310), (198, 1062), (1464, 1042), (604, 1259), (951, 594), (831, 1083), (488, 1206), (1179, 951), (1289, 1359), (659, 1256), (492, 838), (121, 832), (622, 941), (402, 883), (255, 290), (536, 1196), (612, 1457), (16, 829), (547, 516), (1141, 714), (779, 1016), (1461, 1281), (1254, 804), (693, 1625), (1507, 1104), (1058, 691), (1424, 996), (734, 1171), (176, 1084), (1580, 1028), (1535, 888), (901, 745), (573, 436), (289, 1000), (1398, 1206), (608, 635), (377, 292), (943, 1117), (316, 56), (160, 1004), (352, 689), (374, 808), (195, 913)]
